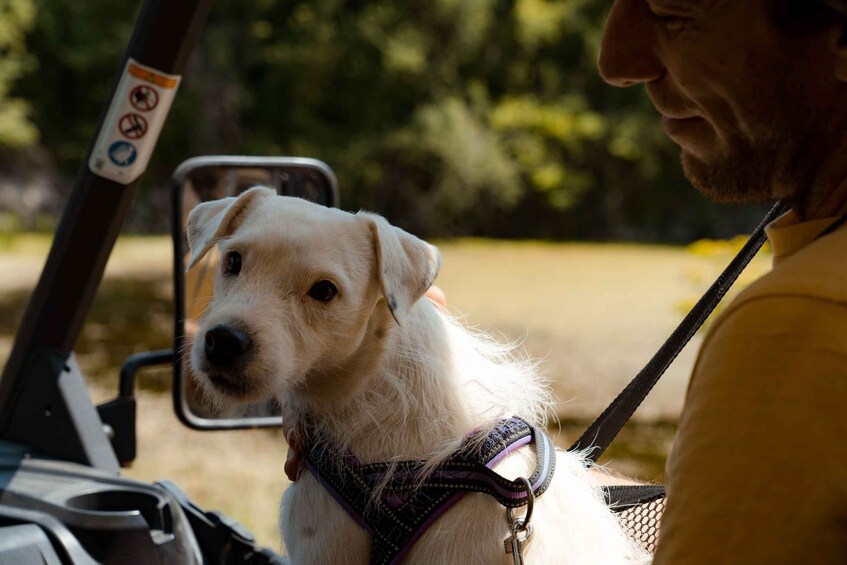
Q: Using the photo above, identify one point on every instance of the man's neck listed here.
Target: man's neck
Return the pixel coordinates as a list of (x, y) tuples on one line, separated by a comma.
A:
[(828, 204), (818, 191)]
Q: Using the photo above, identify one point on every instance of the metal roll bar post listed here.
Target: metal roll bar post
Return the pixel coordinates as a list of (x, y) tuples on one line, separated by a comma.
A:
[(43, 401)]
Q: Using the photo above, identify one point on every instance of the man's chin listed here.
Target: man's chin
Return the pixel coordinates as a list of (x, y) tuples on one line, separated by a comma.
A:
[(728, 180)]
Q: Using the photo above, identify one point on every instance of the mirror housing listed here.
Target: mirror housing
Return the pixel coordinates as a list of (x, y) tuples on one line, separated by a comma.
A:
[(209, 178)]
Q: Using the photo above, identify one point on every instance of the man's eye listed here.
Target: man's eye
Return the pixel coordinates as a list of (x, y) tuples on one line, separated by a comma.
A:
[(323, 291), (668, 21), (232, 263)]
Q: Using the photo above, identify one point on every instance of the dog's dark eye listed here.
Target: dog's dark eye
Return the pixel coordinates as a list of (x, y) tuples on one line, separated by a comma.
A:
[(323, 291), (232, 263)]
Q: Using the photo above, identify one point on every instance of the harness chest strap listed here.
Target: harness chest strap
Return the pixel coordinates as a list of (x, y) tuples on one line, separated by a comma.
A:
[(408, 504)]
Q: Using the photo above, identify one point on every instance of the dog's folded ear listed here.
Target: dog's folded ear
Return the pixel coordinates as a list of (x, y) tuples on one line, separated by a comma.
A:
[(406, 266), (212, 221)]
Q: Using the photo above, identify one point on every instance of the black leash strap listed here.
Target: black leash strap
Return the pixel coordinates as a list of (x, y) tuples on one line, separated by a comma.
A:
[(604, 429)]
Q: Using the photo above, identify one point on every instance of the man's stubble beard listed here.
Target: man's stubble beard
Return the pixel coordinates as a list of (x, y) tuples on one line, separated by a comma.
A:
[(743, 176), (780, 167)]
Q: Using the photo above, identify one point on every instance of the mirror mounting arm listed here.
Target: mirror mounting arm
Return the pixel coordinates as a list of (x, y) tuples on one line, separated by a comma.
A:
[(118, 415)]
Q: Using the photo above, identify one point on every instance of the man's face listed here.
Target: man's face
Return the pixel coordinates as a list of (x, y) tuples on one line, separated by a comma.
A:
[(750, 105)]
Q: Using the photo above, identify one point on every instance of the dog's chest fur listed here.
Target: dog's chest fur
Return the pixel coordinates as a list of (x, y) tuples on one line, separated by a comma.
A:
[(324, 310), (436, 383)]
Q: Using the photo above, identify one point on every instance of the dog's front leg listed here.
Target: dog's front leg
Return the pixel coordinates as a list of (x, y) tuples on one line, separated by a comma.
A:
[(316, 530)]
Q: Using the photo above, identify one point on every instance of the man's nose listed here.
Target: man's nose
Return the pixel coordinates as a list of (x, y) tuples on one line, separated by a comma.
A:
[(628, 51)]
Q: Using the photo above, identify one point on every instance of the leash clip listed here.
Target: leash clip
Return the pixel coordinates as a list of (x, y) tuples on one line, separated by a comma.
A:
[(521, 529)]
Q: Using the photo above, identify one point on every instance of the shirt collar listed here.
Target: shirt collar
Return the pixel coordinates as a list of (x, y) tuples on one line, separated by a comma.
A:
[(788, 234)]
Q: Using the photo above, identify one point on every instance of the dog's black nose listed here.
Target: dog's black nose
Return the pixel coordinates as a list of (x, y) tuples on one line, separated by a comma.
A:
[(225, 344)]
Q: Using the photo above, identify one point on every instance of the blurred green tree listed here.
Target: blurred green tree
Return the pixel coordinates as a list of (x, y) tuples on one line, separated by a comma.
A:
[(16, 19), (452, 117)]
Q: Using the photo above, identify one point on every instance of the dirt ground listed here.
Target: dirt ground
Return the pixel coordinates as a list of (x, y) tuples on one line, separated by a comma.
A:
[(593, 313)]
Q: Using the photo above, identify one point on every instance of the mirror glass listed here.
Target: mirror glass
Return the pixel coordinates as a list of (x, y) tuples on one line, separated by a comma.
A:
[(203, 179)]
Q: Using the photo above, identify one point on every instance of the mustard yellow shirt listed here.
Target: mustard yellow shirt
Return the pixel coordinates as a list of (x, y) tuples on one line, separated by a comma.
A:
[(758, 471)]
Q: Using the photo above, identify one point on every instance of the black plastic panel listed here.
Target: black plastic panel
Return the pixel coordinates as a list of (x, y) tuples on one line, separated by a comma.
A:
[(92, 516), (26, 544)]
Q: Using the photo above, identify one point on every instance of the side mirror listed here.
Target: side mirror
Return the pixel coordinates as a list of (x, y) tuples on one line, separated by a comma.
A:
[(202, 179)]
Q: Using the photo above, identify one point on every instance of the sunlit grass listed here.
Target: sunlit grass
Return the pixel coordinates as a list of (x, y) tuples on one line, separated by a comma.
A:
[(22, 244), (593, 312)]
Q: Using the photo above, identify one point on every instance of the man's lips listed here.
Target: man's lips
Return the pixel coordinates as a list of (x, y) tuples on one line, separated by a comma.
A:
[(678, 117), (675, 111), (680, 120), (668, 121), (677, 128)]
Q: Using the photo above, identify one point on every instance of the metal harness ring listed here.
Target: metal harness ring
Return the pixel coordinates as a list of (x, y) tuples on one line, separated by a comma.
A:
[(520, 524)]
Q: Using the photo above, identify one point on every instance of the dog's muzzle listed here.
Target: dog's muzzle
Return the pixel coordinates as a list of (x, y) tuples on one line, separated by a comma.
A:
[(225, 346)]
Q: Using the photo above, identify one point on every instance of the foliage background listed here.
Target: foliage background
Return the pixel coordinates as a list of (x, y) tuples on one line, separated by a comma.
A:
[(452, 117)]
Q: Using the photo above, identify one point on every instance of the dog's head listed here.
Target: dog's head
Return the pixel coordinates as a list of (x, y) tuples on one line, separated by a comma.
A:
[(305, 297)]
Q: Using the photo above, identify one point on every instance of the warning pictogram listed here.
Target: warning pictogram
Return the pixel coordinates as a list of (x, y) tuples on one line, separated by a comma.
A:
[(122, 153), (144, 98), (132, 126), (133, 123)]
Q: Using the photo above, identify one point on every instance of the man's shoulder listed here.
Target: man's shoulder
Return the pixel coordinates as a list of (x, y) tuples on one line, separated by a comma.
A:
[(816, 272)]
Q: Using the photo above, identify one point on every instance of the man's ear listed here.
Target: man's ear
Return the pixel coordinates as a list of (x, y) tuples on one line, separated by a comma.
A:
[(210, 222), (406, 266)]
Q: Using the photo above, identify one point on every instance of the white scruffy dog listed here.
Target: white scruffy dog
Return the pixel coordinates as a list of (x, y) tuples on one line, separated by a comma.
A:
[(322, 309)]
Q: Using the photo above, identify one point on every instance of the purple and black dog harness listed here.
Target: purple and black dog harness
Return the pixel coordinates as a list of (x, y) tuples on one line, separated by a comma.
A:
[(408, 504)]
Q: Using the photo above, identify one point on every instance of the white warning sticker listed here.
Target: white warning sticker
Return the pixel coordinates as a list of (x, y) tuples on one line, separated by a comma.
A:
[(133, 123)]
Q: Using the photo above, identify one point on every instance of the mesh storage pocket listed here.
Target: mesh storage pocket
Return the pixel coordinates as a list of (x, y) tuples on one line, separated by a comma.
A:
[(642, 522), (639, 509)]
